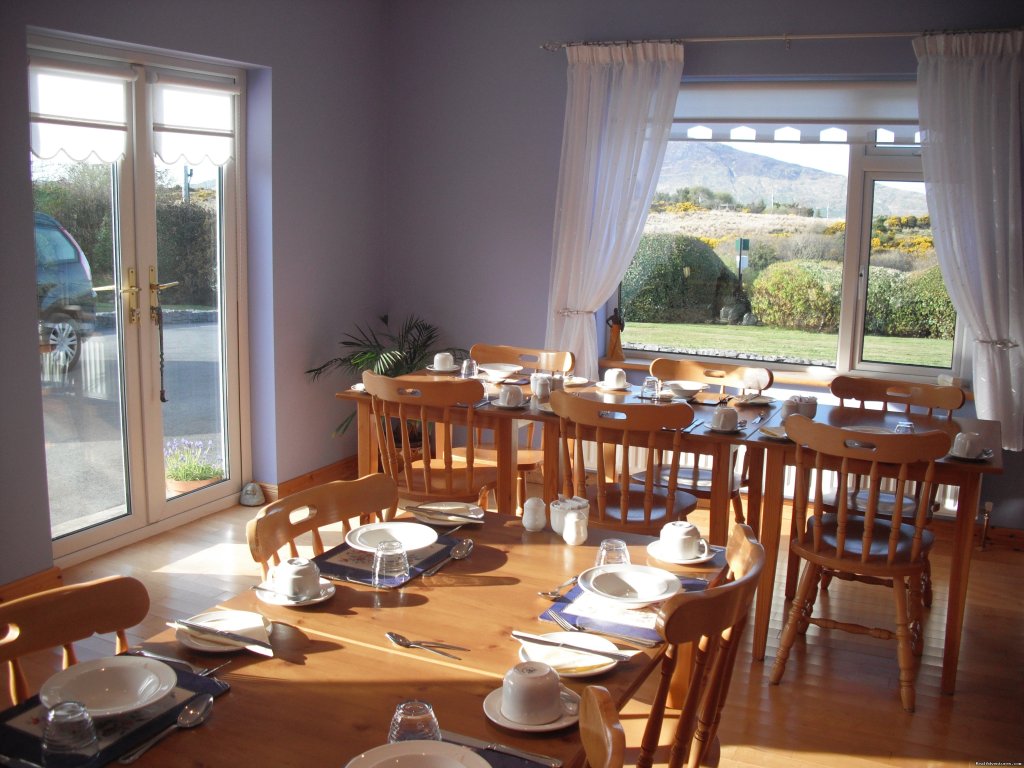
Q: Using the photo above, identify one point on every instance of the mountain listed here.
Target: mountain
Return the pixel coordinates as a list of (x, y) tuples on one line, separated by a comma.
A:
[(751, 178)]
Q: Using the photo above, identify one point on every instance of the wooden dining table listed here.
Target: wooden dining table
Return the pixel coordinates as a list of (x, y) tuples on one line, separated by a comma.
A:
[(331, 688), (965, 475)]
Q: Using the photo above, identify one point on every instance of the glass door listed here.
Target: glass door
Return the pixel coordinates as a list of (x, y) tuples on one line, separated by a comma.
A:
[(136, 262)]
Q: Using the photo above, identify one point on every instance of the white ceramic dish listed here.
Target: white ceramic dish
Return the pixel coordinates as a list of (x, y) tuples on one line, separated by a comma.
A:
[(276, 598), (734, 431), (499, 371), (358, 387), (435, 513), (418, 754), (775, 433), (683, 388), (575, 381), (248, 623), (453, 369), (522, 406), (412, 535), (609, 388), (656, 550), (569, 663), (110, 686), (755, 400), (984, 456), (492, 708), (628, 584)]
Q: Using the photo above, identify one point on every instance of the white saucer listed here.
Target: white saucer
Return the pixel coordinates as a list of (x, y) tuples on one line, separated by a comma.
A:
[(247, 623), (453, 369), (519, 407), (358, 387), (984, 456), (564, 660), (575, 381), (735, 431), (609, 388), (654, 549), (276, 598), (492, 708)]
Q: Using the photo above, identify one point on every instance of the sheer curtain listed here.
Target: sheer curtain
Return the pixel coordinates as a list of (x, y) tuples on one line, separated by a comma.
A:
[(618, 114), (969, 89)]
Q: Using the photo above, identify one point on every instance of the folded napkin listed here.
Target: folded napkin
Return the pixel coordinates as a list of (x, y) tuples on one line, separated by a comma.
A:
[(21, 726)]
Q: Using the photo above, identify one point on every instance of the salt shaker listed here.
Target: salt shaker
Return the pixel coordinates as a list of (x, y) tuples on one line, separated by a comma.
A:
[(534, 516), (575, 530)]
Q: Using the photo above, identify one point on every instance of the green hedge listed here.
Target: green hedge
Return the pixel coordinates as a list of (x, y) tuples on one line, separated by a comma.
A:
[(801, 295)]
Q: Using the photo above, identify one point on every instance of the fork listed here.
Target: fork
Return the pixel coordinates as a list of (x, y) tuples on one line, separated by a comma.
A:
[(565, 624)]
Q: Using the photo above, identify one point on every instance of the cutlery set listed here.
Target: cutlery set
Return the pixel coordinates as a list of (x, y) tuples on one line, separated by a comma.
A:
[(578, 627), (253, 644)]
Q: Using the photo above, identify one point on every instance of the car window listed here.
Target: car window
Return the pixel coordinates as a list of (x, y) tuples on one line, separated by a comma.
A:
[(52, 247)]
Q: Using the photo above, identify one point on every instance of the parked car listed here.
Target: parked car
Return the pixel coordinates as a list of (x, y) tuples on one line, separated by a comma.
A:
[(67, 301)]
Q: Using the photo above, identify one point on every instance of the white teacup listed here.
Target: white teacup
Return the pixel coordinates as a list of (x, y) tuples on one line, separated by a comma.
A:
[(967, 445), (298, 578), (808, 405), (510, 395), (615, 378), (531, 694), (790, 407), (681, 540), (724, 419), (443, 361)]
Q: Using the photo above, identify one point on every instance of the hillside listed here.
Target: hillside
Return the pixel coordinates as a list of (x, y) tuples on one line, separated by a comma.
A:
[(751, 178), (718, 224)]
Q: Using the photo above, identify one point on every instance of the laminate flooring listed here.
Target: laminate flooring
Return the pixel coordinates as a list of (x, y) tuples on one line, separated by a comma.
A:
[(838, 703)]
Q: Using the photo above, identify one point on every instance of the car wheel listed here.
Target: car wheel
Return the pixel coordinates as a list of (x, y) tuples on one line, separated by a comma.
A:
[(66, 341)]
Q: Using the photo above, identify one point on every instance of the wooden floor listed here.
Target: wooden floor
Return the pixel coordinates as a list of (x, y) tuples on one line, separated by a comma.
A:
[(838, 704)]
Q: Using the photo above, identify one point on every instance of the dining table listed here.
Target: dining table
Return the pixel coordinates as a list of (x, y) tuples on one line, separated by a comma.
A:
[(329, 690), (964, 474)]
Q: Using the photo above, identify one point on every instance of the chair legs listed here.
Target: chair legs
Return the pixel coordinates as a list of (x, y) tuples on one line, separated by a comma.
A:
[(799, 617), (904, 645)]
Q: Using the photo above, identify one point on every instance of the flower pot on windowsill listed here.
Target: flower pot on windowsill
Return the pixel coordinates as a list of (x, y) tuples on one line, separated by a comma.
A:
[(179, 487)]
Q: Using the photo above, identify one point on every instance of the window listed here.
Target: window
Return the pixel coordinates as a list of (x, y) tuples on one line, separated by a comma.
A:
[(794, 231)]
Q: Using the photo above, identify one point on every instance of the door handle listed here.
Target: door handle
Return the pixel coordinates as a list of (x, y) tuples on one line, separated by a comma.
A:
[(154, 294), (132, 291)]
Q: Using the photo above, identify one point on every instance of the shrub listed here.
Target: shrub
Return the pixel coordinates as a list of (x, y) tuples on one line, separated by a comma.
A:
[(888, 307), (186, 244), (933, 311), (801, 295)]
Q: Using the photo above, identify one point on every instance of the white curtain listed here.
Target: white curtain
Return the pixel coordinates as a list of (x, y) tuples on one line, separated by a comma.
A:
[(969, 88), (618, 114)]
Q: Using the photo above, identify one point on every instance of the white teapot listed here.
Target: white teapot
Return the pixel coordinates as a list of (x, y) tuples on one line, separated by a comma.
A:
[(575, 527)]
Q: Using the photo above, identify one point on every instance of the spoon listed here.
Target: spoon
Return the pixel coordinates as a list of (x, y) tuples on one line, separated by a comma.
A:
[(554, 594), (405, 642), (459, 552), (194, 713)]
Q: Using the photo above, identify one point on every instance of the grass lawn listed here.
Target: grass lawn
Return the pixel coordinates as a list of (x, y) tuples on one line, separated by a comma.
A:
[(778, 345)]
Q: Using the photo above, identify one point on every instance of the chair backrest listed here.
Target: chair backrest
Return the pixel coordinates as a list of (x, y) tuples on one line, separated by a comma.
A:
[(878, 459), (604, 741), (716, 374), (281, 523), (903, 396), (713, 620), (58, 618), (427, 468), (544, 360), (613, 429)]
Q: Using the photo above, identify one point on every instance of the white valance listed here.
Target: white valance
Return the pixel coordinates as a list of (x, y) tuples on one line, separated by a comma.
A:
[(193, 121)]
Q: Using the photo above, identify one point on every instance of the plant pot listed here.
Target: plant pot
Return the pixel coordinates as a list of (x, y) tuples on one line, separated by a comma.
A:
[(179, 487)]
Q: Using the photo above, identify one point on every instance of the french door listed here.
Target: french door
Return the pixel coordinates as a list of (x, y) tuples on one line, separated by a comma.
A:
[(135, 176)]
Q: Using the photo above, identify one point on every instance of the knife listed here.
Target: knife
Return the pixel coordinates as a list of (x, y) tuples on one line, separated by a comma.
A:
[(249, 643), (429, 511), (18, 762), (528, 638), (469, 741)]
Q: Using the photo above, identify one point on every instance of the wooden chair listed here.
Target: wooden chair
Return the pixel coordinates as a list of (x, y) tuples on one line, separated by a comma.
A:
[(618, 500), (281, 523), (431, 470), (604, 741), (693, 477), (63, 616), (528, 458), (713, 620), (862, 546), (903, 397)]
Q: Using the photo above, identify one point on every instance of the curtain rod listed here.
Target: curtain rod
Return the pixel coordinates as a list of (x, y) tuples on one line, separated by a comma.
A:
[(786, 38)]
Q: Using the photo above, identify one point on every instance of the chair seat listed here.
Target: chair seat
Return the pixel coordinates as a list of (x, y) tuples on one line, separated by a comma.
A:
[(487, 455), (696, 482), (684, 504), (482, 476), (879, 549)]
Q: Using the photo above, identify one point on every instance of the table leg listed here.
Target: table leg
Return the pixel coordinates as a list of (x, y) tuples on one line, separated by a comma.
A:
[(506, 438), (366, 440), (755, 485), (550, 464), (960, 568), (771, 536), (720, 514)]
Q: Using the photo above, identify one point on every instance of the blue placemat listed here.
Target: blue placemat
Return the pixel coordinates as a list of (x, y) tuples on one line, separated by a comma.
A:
[(562, 606), (346, 563), (21, 726)]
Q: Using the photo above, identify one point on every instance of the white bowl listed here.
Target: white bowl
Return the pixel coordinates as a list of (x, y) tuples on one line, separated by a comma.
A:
[(682, 388), (499, 371)]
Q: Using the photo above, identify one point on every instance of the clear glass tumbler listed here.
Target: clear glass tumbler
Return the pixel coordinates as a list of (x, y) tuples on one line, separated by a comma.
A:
[(414, 720), (69, 736), (390, 565), (612, 552), (651, 388), (469, 368)]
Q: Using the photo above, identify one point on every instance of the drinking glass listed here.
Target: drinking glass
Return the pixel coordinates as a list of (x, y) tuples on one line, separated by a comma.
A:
[(651, 388), (612, 552), (469, 368), (414, 720), (69, 736), (390, 564)]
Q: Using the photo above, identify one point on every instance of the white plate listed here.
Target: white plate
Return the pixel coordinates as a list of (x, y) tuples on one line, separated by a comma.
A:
[(609, 388), (412, 535), (360, 387), (575, 381), (276, 598), (754, 400), (775, 433), (655, 550), (499, 371), (110, 686), (628, 584), (569, 663), (492, 708), (418, 754), (439, 508), (453, 369), (248, 623)]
